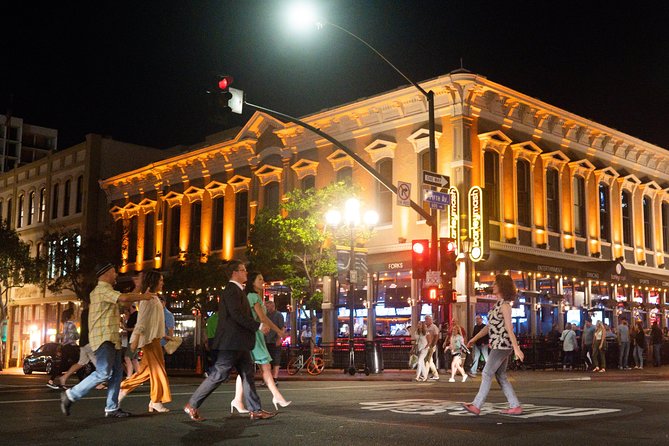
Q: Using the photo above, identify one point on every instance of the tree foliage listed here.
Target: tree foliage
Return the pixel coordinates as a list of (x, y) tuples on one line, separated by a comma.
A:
[(192, 274)]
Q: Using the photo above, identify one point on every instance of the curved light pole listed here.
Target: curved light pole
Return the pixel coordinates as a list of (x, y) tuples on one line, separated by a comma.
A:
[(302, 15), (350, 218)]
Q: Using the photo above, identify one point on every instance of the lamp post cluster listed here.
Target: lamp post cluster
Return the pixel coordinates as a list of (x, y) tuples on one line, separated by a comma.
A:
[(351, 219)]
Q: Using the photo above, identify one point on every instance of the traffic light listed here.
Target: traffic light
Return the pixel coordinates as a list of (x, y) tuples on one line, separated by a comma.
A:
[(431, 294), (227, 99), (420, 258), (448, 255)]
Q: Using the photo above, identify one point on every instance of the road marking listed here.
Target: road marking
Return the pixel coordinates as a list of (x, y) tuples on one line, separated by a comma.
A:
[(434, 407)]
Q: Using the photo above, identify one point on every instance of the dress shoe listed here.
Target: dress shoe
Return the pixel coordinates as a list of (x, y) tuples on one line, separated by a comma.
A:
[(65, 404), (512, 411), (158, 407), (118, 413), (283, 403), (236, 406), (261, 415), (192, 413), (471, 408)]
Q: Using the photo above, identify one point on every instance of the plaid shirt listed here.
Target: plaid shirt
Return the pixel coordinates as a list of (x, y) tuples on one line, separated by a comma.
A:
[(104, 316)]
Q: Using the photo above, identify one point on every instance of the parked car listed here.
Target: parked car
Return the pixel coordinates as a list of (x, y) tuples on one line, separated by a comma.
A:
[(46, 357)]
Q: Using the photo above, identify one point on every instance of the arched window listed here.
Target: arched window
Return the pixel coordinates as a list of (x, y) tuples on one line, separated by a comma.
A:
[(648, 222), (665, 226), (491, 173), (31, 207), (132, 240), (10, 223), (308, 182), (217, 223), (626, 203), (149, 234), (241, 218), (523, 192), (175, 229), (195, 226), (67, 191), (384, 198), (604, 213), (553, 200), (54, 202), (271, 191), (2, 204), (345, 174), (79, 206), (19, 211), (579, 205), (42, 205)]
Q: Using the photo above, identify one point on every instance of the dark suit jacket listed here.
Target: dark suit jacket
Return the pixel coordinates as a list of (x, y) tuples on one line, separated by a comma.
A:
[(236, 327)]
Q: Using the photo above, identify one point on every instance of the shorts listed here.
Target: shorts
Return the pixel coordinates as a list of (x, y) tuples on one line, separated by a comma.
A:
[(128, 353), (275, 352), (86, 355)]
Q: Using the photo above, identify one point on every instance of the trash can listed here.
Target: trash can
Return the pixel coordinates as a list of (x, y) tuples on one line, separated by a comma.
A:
[(373, 357)]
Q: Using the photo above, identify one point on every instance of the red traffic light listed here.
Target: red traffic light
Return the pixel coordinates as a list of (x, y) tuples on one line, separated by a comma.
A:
[(420, 258), (224, 82), (418, 247)]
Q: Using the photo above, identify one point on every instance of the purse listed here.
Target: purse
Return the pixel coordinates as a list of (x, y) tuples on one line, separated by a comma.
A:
[(173, 344)]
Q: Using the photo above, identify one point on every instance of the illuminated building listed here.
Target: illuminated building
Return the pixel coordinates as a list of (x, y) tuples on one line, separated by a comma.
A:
[(577, 213)]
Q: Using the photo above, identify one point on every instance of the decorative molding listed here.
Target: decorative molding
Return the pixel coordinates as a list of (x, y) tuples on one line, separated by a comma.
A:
[(267, 174), (239, 183), (305, 168)]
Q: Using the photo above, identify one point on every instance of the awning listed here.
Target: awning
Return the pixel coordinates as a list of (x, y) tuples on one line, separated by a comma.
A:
[(509, 260)]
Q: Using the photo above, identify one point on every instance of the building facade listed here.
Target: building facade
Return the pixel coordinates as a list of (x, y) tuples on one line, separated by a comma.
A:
[(576, 212), (22, 143), (58, 192)]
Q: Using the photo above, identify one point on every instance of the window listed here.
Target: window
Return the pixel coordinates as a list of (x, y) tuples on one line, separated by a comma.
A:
[(579, 205), (79, 206), (38, 252), (1, 209), (149, 225), (665, 227), (523, 192), (10, 223), (54, 202), (241, 218), (491, 172), (384, 198), (195, 227), (175, 228), (271, 191), (604, 214), (31, 207), (42, 205), (553, 200), (648, 222), (217, 223), (132, 240), (308, 182), (626, 202), (345, 174), (66, 198), (19, 221)]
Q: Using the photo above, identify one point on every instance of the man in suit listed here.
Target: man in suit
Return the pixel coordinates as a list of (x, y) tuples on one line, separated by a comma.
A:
[(234, 340)]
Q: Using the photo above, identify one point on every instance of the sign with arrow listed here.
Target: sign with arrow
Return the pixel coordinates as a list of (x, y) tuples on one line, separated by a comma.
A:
[(436, 179)]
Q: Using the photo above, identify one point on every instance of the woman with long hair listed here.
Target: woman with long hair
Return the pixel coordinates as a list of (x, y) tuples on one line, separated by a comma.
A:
[(148, 332), (639, 337), (457, 343), (502, 343), (598, 347), (260, 354), (420, 338)]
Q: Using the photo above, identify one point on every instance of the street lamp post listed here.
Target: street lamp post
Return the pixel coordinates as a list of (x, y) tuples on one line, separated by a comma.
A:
[(351, 219)]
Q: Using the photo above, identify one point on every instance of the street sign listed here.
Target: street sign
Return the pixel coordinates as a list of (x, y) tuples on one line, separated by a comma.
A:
[(440, 207), (432, 278), (403, 194), (432, 196), (436, 179)]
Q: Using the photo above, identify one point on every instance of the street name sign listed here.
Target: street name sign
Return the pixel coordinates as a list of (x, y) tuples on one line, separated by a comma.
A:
[(441, 198)]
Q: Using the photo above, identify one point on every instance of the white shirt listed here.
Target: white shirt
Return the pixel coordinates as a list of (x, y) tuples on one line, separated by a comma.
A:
[(150, 322)]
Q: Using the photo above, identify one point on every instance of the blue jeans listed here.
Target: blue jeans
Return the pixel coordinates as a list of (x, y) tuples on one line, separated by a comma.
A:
[(638, 356), (624, 354), (109, 369), (496, 366), (479, 350)]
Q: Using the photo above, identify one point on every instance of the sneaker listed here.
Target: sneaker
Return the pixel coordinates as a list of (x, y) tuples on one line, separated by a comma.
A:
[(512, 411), (118, 413), (464, 378), (53, 385), (451, 380), (65, 404), (434, 378)]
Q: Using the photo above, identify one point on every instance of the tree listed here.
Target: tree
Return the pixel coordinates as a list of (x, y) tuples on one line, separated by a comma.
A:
[(17, 268), (72, 259), (293, 244)]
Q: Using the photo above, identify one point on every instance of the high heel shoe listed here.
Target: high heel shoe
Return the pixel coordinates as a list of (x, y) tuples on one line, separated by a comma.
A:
[(158, 407), (280, 403), (234, 406)]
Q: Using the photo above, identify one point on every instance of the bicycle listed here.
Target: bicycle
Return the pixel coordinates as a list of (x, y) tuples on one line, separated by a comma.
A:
[(314, 363)]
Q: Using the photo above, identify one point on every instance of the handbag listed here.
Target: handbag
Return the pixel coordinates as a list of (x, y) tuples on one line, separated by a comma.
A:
[(413, 361), (173, 344)]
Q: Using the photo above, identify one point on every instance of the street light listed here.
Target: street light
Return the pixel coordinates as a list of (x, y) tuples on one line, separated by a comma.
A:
[(302, 16), (350, 218)]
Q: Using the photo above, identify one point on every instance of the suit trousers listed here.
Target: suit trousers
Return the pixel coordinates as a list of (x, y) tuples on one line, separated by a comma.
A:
[(225, 361), (152, 367)]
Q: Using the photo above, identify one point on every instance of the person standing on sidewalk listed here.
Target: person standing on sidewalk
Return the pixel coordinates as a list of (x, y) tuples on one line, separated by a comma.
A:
[(586, 343), (623, 337), (433, 331), (235, 338), (569, 345), (105, 341), (481, 346), (599, 348), (656, 340), (639, 345), (503, 342)]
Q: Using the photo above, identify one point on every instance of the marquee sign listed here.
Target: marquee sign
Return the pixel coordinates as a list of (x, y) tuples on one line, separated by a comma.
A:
[(454, 216), (477, 225)]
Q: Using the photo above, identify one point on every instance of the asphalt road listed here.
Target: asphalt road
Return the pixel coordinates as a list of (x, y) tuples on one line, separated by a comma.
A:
[(389, 409)]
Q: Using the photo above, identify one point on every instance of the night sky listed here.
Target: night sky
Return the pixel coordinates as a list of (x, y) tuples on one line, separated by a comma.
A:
[(138, 71)]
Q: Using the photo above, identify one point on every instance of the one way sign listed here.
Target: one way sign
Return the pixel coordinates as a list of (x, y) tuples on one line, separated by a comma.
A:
[(436, 179)]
